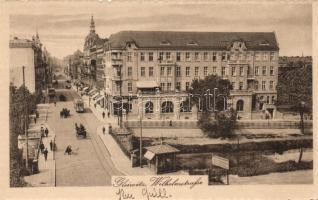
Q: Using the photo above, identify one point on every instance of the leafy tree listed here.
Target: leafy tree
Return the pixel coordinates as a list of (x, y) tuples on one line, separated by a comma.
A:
[(201, 92)]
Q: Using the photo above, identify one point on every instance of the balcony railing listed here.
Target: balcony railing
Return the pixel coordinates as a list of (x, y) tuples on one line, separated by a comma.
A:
[(166, 62)]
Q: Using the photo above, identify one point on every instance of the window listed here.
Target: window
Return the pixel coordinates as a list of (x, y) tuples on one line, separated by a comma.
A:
[(205, 56), (162, 71), (272, 56), (150, 56), (187, 85), (214, 56), (228, 56), (185, 106), (149, 107), (129, 71), (256, 70), (178, 71), (178, 56), (196, 56), (129, 58), (196, 71), (233, 85), (240, 105), (187, 71), (214, 70), (223, 71), (271, 70), (257, 56), (142, 71), (265, 56), (271, 85), (205, 71), (241, 71), (142, 56), (256, 85), (187, 56), (160, 56), (168, 55), (162, 85), (240, 85), (117, 87), (263, 85), (267, 99), (264, 70), (167, 107), (168, 86), (233, 71), (150, 71), (223, 55), (178, 86), (129, 87), (273, 99), (169, 71)]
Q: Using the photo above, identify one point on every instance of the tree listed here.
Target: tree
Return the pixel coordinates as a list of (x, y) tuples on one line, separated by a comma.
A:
[(202, 91)]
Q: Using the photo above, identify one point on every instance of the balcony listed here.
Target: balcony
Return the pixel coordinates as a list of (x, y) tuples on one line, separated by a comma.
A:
[(237, 62), (117, 62), (241, 92), (250, 77), (166, 62)]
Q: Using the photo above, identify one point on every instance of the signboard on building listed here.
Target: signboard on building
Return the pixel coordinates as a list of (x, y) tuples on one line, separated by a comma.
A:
[(221, 162)]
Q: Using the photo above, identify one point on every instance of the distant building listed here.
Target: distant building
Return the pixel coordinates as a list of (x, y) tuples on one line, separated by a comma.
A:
[(28, 53)]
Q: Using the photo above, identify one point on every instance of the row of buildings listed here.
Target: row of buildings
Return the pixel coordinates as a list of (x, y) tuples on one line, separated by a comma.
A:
[(36, 61), (149, 72)]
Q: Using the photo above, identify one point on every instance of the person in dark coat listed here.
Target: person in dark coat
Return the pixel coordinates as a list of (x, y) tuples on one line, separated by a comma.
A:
[(46, 132), (42, 147), (35, 120), (108, 114), (42, 131), (103, 115), (45, 152), (104, 130), (51, 145)]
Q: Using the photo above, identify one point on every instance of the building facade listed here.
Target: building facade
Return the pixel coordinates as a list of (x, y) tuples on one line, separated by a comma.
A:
[(28, 53), (154, 69)]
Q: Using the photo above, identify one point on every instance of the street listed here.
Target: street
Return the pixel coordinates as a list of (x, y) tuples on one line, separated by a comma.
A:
[(90, 165)]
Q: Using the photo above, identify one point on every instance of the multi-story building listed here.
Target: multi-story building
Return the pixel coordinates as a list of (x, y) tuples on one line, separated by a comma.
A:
[(28, 53), (139, 64)]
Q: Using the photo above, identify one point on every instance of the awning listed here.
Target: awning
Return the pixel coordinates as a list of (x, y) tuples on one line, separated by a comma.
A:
[(147, 84), (99, 98), (149, 155), (95, 95)]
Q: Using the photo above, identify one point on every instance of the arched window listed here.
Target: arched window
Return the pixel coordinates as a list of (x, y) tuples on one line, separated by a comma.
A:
[(185, 106), (167, 107), (240, 105), (149, 107)]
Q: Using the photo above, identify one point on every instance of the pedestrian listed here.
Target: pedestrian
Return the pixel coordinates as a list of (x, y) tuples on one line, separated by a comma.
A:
[(42, 147), (170, 123), (45, 152), (51, 145), (37, 114), (42, 131), (103, 115), (104, 130), (108, 114), (35, 119), (46, 132), (54, 102), (94, 105)]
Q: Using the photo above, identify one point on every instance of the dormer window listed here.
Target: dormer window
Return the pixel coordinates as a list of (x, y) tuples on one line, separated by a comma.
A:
[(192, 43), (165, 42), (264, 43)]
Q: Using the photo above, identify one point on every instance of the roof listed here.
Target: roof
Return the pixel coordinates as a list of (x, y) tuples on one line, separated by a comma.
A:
[(147, 84), (162, 149), (193, 40)]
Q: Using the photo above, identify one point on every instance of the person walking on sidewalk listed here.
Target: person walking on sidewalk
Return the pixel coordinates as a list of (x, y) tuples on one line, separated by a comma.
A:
[(35, 119), (94, 105), (45, 152), (46, 132), (108, 114), (103, 115), (104, 130), (42, 131), (54, 102), (51, 145), (42, 147)]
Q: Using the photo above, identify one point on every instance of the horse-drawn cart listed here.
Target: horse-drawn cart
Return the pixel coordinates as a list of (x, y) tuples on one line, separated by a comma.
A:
[(80, 131)]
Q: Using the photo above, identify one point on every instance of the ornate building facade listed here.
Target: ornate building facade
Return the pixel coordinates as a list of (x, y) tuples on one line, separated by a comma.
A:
[(154, 69)]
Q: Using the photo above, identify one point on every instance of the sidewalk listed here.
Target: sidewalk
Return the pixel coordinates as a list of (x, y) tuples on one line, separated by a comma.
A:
[(120, 160), (46, 175)]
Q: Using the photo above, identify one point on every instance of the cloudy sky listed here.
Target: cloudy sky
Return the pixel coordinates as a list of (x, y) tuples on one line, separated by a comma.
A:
[(63, 26)]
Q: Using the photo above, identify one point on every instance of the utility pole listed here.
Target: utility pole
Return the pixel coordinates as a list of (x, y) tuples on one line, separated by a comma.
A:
[(25, 123), (140, 141)]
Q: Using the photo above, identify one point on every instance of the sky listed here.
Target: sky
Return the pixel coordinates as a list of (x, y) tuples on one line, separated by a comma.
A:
[(63, 26)]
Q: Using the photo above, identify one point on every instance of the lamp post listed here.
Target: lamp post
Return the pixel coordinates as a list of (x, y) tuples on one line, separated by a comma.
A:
[(140, 138), (302, 127)]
